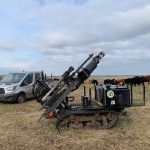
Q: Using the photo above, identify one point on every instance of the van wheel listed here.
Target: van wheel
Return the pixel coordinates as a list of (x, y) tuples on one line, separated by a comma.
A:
[(21, 98)]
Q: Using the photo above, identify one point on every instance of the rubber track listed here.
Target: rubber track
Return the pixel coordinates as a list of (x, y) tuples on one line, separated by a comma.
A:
[(87, 112)]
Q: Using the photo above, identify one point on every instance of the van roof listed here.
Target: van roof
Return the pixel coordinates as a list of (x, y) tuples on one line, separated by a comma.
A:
[(28, 72), (33, 71)]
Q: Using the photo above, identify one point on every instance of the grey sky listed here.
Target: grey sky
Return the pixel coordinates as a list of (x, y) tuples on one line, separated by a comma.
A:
[(54, 34)]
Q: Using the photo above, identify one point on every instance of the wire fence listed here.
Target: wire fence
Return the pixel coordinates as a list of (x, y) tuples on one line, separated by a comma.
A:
[(139, 94)]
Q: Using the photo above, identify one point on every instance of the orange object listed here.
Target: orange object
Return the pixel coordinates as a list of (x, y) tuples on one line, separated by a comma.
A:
[(51, 114)]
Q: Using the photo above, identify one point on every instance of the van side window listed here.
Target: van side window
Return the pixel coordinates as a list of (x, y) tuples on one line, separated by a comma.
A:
[(28, 80), (37, 76)]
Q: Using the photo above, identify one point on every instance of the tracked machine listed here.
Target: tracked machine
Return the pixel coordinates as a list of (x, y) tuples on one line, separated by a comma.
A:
[(100, 110)]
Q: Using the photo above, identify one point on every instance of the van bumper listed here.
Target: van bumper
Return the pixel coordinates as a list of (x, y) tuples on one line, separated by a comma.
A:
[(8, 97)]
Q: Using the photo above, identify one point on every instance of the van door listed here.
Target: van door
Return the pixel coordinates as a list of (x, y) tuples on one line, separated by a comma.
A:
[(27, 85)]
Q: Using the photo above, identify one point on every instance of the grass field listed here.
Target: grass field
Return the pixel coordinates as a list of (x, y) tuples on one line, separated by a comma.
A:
[(19, 130)]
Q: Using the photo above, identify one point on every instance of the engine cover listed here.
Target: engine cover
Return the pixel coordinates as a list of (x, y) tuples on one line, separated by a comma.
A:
[(113, 95)]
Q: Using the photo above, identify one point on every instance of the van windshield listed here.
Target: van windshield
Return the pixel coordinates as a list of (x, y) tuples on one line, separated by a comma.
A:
[(12, 78)]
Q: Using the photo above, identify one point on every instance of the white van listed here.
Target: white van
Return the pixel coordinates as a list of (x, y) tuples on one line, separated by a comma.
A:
[(17, 87)]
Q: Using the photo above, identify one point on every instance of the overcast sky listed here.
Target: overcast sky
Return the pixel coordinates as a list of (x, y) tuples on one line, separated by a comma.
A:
[(52, 35)]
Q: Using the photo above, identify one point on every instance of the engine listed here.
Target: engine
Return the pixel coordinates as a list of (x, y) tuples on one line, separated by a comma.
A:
[(113, 96)]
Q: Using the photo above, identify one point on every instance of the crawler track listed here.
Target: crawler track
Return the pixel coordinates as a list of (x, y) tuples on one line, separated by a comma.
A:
[(99, 119)]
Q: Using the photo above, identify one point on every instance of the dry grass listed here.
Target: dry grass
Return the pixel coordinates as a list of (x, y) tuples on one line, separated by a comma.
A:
[(19, 130)]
